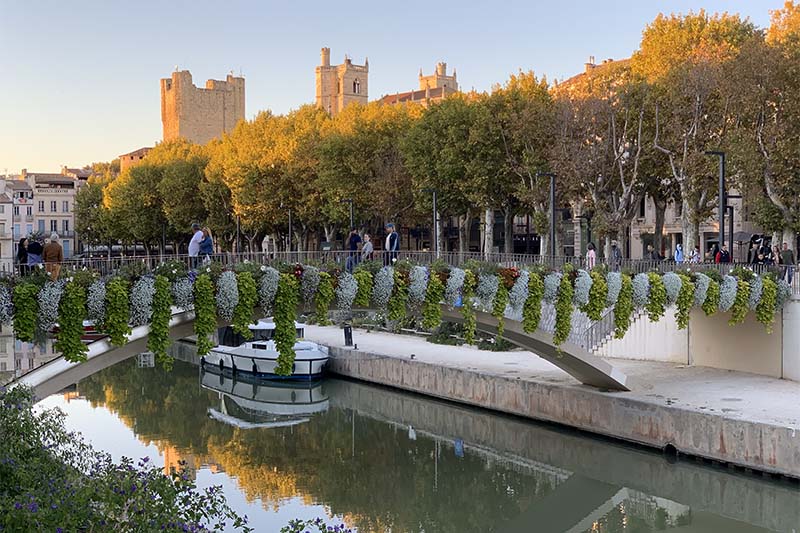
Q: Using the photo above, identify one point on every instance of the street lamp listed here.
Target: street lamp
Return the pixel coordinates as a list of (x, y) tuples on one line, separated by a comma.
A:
[(552, 209), (435, 222), (350, 201), (723, 201)]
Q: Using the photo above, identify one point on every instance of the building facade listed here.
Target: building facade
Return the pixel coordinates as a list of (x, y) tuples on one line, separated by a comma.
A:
[(200, 114), (432, 88), (132, 158), (340, 85)]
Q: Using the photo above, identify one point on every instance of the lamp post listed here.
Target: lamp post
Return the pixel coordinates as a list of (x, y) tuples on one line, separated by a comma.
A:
[(723, 201), (435, 222), (552, 209), (350, 201)]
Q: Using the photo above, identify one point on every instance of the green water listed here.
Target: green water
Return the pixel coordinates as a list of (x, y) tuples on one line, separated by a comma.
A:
[(381, 460)]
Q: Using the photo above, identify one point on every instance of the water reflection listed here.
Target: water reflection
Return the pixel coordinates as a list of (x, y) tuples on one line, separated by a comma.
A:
[(387, 461)]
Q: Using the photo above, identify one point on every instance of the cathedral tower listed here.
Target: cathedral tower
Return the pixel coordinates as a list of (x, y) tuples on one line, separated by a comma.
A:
[(340, 85)]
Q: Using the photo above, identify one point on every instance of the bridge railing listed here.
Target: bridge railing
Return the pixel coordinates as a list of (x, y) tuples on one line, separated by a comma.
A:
[(344, 258)]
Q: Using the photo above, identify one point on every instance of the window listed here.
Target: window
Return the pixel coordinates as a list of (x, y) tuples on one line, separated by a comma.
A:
[(41, 226), (2, 208), (65, 206), (16, 210), (53, 206), (28, 229), (67, 252), (41, 206), (54, 225), (16, 231), (642, 205), (356, 86), (29, 210), (65, 226)]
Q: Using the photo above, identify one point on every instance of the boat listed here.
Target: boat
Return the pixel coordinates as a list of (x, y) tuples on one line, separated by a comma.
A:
[(90, 332), (248, 403), (259, 355)]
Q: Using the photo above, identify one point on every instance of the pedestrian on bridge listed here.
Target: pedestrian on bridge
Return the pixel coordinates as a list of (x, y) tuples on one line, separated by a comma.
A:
[(53, 255)]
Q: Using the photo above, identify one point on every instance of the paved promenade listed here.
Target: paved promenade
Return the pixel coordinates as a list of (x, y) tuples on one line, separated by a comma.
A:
[(748, 420)]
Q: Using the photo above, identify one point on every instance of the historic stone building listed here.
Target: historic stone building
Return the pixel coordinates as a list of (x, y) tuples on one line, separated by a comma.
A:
[(200, 114), (340, 85), (132, 158), (432, 88)]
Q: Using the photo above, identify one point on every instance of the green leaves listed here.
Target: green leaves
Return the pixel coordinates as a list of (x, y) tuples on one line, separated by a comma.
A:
[(432, 306), (683, 305), (532, 310), (711, 305), (26, 309), (117, 319), (563, 311), (364, 293), (597, 296), (397, 301), (499, 306), (657, 304), (324, 298), (158, 338), (248, 297), (741, 305), (765, 310), (467, 309), (285, 312), (205, 313), (71, 313), (623, 309)]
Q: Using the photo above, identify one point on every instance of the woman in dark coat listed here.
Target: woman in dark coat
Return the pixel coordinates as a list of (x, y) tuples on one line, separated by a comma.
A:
[(22, 256)]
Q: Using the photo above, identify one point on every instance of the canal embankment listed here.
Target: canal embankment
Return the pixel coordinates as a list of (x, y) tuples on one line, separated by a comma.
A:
[(735, 418)]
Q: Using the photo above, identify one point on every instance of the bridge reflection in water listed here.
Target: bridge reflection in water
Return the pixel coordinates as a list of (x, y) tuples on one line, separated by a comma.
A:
[(382, 460)]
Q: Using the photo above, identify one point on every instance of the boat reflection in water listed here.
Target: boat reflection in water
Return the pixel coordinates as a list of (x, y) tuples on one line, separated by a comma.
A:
[(246, 402)]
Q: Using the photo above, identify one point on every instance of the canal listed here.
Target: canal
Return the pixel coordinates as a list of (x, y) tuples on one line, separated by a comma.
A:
[(380, 460)]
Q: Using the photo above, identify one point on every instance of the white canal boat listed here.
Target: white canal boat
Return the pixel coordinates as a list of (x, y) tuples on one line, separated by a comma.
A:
[(259, 356), (247, 403)]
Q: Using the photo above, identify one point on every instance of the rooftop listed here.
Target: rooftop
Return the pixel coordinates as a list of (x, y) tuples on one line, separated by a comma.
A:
[(414, 96)]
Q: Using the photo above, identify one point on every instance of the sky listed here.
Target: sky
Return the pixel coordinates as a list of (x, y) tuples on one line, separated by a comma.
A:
[(80, 79)]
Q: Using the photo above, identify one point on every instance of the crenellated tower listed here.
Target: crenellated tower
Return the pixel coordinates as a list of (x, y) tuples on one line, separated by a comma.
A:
[(341, 85)]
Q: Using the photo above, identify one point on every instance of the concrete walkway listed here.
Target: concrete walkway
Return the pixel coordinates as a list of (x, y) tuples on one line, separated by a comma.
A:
[(745, 419)]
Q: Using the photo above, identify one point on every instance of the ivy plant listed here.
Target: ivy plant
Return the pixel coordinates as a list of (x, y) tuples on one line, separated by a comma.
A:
[(26, 307), (765, 310), (499, 306), (683, 305), (467, 309), (397, 301), (248, 297), (563, 311), (118, 312), (623, 309), (432, 305), (741, 304), (205, 313), (158, 338), (71, 313), (364, 292), (711, 304), (324, 298), (597, 296), (285, 312), (657, 303), (532, 310)]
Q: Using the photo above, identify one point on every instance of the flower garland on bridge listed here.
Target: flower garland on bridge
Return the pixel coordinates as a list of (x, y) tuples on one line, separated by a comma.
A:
[(239, 293)]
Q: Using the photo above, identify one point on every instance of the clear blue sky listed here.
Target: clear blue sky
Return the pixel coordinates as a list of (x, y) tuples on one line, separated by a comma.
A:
[(80, 79)]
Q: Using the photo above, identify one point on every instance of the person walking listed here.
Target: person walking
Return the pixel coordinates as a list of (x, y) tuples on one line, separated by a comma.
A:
[(392, 245), (194, 245), (615, 258), (22, 256), (695, 255), (678, 253), (723, 256), (787, 260), (776, 255), (652, 254), (353, 240), (53, 255), (367, 248), (591, 256), (34, 253), (207, 245)]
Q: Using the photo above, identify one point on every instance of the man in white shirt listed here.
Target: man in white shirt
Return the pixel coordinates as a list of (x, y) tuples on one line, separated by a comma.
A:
[(194, 244)]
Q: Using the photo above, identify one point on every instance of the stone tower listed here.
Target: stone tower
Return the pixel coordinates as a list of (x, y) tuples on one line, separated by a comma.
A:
[(340, 85), (199, 115), (439, 79)]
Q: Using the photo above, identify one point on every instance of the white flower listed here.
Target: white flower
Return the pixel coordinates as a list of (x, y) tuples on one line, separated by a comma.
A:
[(701, 289), (727, 292), (614, 281), (183, 293), (309, 283), (268, 287), (551, 284), (673, 284), (583, 284), (263, 268), (382, 286), (418, 285), (6, 305), (756, 288), (96, 302), (49, 298), (455, 282), (227, 295), (783, 295), (142, 300), (487, 289), (519, 293), (641, 290), (346, 291)]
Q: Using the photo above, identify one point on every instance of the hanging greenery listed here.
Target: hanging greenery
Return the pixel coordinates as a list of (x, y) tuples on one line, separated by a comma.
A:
[(657, 303), (117, 317), (741, 303), (205, 313), (432, 306), (532, 310), (598, 294), (364, 292), (26, 308), (711, 304), (285, 312), (71, 314), (563, 311), (467, 306), (684, 301), (765, 310), (499, 307), (324, 298), (623, 309), (396, 306), (246, 304), (158, 338)]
